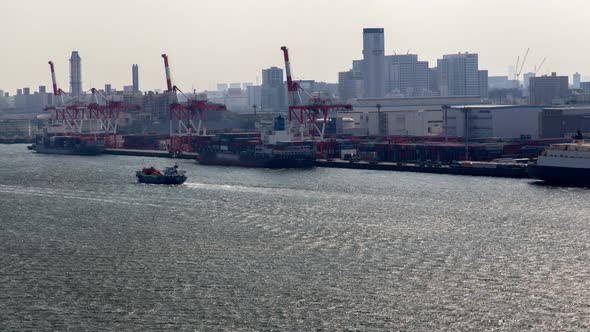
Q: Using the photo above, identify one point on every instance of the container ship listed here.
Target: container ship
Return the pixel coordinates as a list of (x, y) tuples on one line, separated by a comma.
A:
[(564, 164), (251, 149), (51, 142)]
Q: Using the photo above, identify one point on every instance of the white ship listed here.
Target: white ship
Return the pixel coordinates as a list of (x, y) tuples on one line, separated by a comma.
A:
[(566, 163)]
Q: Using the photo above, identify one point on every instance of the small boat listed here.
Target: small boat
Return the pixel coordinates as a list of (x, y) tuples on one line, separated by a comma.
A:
[(171, 175)]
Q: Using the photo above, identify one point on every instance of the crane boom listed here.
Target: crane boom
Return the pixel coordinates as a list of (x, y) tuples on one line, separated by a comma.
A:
[(53, 81), (169, 87), (526, 54), (291, 86), (537, 68)]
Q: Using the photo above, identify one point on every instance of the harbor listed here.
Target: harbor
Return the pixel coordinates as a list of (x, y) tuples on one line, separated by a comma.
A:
[(294, 166)]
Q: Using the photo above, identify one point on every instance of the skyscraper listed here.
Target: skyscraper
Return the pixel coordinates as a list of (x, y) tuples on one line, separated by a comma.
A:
[(135, 73), (75, 74), (273, 90), (458, 75), (527, 77), (577, 79), (374, 62), (483, 83)]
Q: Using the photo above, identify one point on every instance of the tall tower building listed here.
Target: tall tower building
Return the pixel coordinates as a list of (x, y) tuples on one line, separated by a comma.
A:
[(135, 73), (75, 74), (577, 79), (374, 62)]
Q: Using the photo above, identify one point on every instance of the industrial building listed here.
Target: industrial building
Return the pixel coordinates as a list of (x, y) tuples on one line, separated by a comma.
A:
[(558, 122), (378, 116), (501, 121), (425, 117)]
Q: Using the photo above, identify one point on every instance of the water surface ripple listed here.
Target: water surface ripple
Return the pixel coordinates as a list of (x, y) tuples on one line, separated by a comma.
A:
[(83, 247)]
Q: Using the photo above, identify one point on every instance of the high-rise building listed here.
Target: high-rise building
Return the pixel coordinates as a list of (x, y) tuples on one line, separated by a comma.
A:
[(254, 93), (577, 79), (75, 74), (374, 62), (545, 90), (527, 77), (458, 75), (272, 76), (483, 83), (406, 75), (135, 74), (350, 85), (273, 90), (107, 89)]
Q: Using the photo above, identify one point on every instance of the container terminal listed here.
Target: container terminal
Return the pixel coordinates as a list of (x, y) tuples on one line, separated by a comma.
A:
[(303, 137)]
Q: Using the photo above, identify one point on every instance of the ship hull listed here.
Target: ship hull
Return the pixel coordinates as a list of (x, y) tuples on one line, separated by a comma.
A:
[(257, 163), (569, 176), (83, 151)]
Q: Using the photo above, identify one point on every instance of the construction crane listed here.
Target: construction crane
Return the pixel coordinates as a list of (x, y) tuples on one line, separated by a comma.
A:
[(182, 116), (518, 69), (537, 68), (306, 114)]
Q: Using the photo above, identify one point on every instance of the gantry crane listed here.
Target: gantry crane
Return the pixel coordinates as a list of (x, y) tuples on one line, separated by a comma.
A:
[(182, 116), (306, 114)]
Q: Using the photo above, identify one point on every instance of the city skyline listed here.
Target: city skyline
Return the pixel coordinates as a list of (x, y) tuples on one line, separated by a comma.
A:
[(223, 46)]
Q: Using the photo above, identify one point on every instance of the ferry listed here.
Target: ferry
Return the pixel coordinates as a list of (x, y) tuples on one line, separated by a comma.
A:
[(564, 164)]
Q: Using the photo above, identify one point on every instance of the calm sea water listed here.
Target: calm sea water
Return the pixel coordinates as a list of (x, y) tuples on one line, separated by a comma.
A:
[(83, 247)]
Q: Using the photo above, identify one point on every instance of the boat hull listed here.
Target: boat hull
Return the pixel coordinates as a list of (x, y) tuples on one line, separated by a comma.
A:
[(151, 179), (570, 176)]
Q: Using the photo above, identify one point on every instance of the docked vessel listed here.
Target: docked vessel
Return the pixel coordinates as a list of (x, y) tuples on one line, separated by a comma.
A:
[(55, 140), (564, 164), (171, 175), (276, 149), (75, 145)]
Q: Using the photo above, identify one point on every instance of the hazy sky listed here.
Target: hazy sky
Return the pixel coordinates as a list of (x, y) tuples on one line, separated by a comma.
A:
[(216, 41)]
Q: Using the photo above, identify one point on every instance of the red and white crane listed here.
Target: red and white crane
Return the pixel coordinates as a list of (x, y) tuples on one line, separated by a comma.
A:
[(182, 116), (306, 114), (105, 114), (70, 114)]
